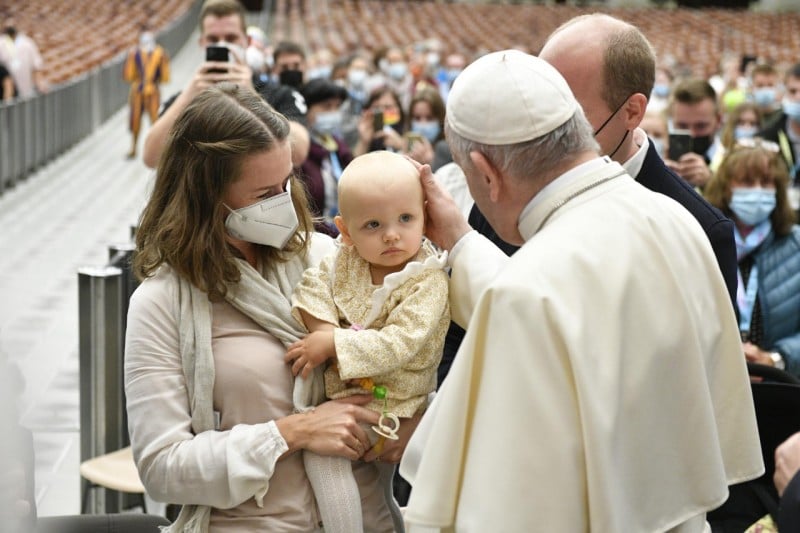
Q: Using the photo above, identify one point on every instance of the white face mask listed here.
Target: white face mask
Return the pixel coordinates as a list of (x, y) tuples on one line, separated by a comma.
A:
[(270, 222), (237, 55), (147, 42), (255, 59)]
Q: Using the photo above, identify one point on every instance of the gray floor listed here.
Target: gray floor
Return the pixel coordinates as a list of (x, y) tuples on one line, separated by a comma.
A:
[(59, 219)]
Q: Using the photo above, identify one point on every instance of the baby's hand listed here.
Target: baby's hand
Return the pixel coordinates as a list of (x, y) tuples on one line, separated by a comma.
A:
[(310, 352)]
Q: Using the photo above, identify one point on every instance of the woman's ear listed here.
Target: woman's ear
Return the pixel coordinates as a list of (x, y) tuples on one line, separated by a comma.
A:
[(342, 227)]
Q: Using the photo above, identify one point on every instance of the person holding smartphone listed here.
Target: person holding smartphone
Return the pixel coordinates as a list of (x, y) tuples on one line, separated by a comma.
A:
[(222, 25), (381, 124), (695, 108)]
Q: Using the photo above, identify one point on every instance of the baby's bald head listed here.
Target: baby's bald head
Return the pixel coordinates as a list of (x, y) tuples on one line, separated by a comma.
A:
[(380, 173)]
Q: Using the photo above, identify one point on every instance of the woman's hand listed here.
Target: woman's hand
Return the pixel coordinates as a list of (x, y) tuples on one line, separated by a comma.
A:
[(421, 151), (391, 139), (331, 428), (365, 130), (392, 450)]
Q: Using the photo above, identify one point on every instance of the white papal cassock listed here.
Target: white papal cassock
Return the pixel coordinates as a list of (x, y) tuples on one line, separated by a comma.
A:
[(601, 385)]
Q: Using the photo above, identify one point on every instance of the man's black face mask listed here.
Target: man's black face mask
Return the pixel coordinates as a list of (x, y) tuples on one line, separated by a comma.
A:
[(292, 78)]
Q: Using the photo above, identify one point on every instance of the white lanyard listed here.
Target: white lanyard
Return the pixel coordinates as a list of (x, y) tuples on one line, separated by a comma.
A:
[(746, 300)]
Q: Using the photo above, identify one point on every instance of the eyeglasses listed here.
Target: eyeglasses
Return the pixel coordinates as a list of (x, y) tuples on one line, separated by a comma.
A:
[(758, 142)]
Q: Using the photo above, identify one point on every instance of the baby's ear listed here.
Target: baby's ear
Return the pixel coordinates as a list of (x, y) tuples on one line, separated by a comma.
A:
[(342, 227)]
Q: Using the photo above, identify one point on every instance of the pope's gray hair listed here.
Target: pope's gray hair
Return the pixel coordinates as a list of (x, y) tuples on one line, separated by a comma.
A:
[(538, 157)]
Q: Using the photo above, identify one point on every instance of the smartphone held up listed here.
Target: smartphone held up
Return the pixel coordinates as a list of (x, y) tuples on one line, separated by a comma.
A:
[(377, 120), (680, 142), (217, 53)]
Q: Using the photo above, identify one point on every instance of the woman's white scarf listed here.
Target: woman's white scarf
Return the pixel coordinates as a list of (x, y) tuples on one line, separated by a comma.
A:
[(264, 297)]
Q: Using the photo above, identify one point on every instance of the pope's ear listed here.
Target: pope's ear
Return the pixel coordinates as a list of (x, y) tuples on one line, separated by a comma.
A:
[(489, 174), (342, 227)]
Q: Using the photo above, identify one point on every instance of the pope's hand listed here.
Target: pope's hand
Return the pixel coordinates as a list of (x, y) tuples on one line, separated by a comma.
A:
[(444, 223)]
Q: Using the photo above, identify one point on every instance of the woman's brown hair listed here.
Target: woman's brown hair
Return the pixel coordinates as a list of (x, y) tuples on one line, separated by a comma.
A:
[(743, 161), (183, 223), (728, 135)]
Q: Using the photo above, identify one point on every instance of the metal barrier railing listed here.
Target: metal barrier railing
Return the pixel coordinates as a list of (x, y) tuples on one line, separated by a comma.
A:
[(103, 296), (100, 355), (36, 130)]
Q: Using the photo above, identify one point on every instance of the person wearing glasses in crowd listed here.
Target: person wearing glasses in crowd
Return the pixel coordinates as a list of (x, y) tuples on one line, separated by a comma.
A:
[(750, 186)]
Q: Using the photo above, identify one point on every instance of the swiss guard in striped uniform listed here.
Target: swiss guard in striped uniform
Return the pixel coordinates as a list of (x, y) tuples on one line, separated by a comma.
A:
[(146, 67)]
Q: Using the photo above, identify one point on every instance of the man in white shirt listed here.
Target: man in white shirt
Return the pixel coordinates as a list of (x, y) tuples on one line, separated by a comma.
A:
[(620, 407), (24, 62)]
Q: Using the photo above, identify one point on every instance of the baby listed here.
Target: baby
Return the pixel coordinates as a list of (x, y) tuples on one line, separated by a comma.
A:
[(378, 310)]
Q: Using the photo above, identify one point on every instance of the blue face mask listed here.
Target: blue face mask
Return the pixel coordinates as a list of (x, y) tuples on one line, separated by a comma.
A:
[(397, 71), (429, 130), (452, 74), (764, 96), (661, 90), (323, 72), (329, 122), (744, 132), (752, 206), (792, 109), (356, 78)]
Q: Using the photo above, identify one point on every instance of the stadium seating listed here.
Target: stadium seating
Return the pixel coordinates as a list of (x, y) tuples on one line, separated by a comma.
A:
[(75, 36), (695, 39)]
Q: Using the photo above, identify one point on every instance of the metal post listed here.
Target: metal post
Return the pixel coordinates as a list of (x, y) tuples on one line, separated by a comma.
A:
[(102, 407), (120, 255), (5, 148)]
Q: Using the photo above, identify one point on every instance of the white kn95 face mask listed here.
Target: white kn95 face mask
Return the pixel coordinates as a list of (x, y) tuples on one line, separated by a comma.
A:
[(270, 222)]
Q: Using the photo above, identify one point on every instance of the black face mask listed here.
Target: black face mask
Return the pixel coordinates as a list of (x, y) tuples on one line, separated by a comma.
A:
[(603, 125), (292, 78), (700, 145)]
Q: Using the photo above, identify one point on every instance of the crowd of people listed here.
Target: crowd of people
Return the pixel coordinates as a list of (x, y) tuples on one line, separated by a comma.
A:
[(611, 247), (21, 66)]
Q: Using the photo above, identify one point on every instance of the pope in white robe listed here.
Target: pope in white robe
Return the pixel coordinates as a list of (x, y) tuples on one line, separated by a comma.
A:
[(601, 384)]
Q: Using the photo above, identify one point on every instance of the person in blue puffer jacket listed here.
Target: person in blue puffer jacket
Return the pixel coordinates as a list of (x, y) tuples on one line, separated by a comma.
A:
[(750, 186)]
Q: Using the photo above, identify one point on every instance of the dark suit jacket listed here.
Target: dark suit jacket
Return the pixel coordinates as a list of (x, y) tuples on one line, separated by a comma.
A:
[(657, 177)]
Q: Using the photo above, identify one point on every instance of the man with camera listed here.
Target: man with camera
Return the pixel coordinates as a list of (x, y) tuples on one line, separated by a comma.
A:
[(223, 35), (695, 109)]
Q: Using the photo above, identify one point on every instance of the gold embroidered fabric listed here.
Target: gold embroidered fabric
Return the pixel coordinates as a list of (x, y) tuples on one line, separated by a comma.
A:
[(405, 321)]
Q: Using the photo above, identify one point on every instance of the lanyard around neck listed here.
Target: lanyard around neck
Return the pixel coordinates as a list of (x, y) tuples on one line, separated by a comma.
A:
[(746, 298)]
